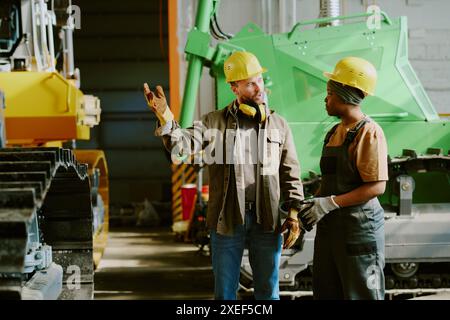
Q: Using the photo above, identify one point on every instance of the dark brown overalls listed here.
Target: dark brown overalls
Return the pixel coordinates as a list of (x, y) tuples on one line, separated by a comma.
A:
[(349, 244)]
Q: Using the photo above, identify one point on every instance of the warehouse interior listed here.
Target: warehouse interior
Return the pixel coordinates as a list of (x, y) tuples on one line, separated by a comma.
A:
[(92, 206)]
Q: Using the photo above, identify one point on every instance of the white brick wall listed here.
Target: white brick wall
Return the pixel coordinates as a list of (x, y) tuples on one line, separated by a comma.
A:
[(429, 53)]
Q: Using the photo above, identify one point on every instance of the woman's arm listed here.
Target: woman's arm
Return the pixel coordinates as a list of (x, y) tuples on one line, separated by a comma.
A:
[(362, 194)]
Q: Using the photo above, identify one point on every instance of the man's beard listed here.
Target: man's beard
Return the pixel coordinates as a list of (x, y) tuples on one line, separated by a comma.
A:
[(252, 100)]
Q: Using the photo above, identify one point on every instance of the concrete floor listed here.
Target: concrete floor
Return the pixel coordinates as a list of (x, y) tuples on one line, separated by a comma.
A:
[(149, 264), (438, 296)]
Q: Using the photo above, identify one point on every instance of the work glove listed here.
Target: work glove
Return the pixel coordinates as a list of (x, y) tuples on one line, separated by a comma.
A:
[(158, 104), (319, 208), (293, 229)]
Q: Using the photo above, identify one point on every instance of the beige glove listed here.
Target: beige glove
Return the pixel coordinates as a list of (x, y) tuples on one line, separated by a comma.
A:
[(158, 104)]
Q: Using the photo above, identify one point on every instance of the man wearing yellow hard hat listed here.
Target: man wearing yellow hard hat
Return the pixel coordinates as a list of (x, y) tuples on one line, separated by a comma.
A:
[(243, 207), (349, 244)]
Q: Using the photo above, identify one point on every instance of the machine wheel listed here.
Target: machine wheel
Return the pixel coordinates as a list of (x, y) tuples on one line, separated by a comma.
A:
[(404, 270)]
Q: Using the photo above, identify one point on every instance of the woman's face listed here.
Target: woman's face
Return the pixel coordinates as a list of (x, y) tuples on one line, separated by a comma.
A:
[(333, 103)]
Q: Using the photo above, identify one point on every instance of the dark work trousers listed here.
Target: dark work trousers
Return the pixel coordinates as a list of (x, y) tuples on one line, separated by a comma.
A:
[(349, 245)]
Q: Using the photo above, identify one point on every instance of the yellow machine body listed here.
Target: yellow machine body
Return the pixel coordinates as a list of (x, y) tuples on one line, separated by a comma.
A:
[(45, 109), (42, 107)]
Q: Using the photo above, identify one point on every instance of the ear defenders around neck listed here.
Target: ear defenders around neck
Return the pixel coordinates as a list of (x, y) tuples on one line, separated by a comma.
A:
[(253, 111)]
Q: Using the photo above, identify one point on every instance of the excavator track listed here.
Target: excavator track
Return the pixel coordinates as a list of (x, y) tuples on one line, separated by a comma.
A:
[(430, 278), (45, 225)]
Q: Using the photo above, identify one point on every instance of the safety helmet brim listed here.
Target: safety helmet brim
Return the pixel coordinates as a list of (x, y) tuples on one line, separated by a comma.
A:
[(331, 76), (263, 70)]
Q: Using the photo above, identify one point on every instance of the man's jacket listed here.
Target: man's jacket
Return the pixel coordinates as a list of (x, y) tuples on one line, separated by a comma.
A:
[(214, 138)]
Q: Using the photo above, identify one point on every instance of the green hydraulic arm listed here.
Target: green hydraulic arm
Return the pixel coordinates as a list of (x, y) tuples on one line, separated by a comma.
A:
[(199, 54), (198, 50)]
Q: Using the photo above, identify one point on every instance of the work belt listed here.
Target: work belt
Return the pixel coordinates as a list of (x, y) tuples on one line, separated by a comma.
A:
[(250, 206)]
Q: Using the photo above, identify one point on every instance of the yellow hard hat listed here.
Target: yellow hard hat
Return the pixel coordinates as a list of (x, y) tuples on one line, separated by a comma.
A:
[(241, 65), (355, 72)]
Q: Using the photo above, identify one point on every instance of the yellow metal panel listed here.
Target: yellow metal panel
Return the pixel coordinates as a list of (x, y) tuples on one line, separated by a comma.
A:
[(53, 144), (83, 132), (96, 160), (42, 107), (38, 94)]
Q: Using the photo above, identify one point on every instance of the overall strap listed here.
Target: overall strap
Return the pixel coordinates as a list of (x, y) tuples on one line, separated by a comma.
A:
[(351, 134), (329, 134)]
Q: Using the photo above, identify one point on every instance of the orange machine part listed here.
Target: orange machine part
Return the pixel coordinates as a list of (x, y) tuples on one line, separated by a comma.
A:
[(22, 129)]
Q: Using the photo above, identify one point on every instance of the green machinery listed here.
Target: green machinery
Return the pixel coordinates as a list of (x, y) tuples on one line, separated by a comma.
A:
[(417, 199)]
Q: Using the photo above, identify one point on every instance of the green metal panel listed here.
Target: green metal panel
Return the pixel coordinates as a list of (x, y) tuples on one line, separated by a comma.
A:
[(296, 61), (299, 60)]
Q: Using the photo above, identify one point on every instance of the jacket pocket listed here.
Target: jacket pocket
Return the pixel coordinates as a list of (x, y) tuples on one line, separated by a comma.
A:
[(273, 137), (272, 154)]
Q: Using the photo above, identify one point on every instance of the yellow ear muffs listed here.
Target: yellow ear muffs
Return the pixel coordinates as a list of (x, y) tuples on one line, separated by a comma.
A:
[(262, 111), (253, 111)]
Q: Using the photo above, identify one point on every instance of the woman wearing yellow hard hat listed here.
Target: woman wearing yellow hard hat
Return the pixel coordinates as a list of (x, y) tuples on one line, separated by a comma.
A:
[(349, 244)]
